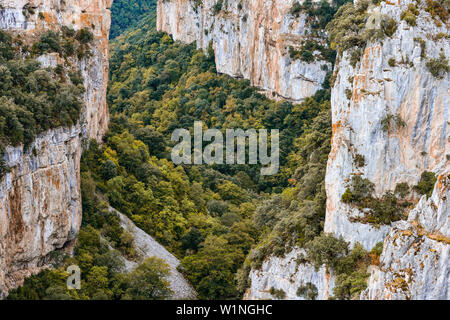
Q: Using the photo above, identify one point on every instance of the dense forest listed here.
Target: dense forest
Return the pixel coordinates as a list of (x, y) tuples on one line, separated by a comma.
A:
[(219, 220), (125, 14)]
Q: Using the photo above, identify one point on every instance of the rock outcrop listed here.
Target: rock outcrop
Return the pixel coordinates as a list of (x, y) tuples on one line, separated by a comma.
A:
[(379, 90), (40, 201), (289, 274), (251, 40), (416, 254)]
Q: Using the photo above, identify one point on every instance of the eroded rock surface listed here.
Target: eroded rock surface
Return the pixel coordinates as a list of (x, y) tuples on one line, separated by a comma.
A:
[(40, 201), (415, 259)]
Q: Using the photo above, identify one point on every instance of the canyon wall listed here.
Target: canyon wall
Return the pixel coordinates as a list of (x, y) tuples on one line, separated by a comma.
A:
[(392, 79), (251, 40), (414, 263), (40, 200)]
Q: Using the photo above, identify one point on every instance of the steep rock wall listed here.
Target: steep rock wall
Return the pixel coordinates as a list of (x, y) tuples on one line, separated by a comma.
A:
[(40, 201), (415, 259), (414, 262), (288, 274), (251, 40), (408, 90)]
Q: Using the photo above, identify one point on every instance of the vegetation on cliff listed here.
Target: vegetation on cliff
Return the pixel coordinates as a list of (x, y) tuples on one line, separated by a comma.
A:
[(125, 14), (34, 99)]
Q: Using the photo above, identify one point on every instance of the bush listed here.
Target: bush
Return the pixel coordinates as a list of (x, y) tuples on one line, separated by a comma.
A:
[(148, 281), (410, 15), (438, 9), (391, 62), (49, 42), (391, 120), (346, 29), (426, 183), (402, 189), (308, 291), (295, 9), (439, 66), (326, 250), (389, 26), (217, 7), (348, 93), (278, 293), (359, 160), (84, 36), (382, 211), (423, 47)]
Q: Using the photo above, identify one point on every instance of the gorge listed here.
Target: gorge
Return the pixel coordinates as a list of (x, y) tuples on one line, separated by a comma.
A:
[(359, 210)]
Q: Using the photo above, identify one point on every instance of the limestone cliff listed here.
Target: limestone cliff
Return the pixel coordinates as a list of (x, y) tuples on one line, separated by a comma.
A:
[(40, 201), (390, 80), (251, 39)]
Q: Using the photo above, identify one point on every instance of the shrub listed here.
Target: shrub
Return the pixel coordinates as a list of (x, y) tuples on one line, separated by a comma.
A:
[(346, 29), (348, 93), (347, 196), (355, 57), (326, 250), (296, 9), (402, 189), (410, 14), (423, 47), (390, 120), (352, 273), (307, 291), (426, 183), (438, 67), (49, 42), (391, 62), (438, 9), (359, 160), (361, 188), (217, 7), (389, 26), (381, 211), (84, 36), (278, 293)]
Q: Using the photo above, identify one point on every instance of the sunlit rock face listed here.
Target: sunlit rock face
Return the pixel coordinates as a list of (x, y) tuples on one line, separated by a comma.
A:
[(415, 259), (414, 265), (40, 201), (251, 40), (416, 254), (408, 90), (287, 274)]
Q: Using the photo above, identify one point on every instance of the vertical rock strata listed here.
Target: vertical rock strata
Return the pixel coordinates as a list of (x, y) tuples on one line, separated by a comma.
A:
[(414, 263), (40, 200)]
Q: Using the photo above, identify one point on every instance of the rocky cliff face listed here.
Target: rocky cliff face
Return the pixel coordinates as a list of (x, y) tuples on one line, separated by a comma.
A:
[(390, 79), (406, 89), (416, 253), (40, 201), (251, 40)]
